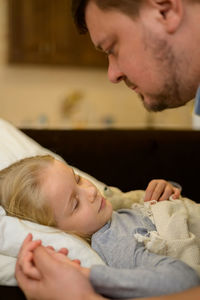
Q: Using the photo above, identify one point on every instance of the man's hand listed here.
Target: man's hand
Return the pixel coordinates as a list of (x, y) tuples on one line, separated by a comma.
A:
[(159, 190)]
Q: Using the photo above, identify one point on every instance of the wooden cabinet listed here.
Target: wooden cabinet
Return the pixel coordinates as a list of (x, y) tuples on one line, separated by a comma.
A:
[(42, 32)]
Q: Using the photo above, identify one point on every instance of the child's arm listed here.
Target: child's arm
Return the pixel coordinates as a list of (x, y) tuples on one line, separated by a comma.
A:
[(157, 275), (159, 190)]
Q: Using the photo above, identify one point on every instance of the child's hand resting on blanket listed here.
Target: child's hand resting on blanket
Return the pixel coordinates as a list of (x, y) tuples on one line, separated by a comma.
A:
[(159, 190)]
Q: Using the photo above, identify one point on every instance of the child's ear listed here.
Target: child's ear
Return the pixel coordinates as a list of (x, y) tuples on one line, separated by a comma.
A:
[(169, 13)]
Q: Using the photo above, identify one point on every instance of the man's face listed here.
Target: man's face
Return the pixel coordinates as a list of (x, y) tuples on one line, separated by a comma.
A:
[(140, 54)]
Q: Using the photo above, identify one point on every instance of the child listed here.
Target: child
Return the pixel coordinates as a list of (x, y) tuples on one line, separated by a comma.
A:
[(47, 191)]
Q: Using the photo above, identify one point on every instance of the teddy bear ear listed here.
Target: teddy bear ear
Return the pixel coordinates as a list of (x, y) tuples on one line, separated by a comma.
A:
[(107, 191)]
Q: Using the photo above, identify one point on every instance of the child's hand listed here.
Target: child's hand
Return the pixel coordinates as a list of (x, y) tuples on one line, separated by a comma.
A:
[(25, 257), (159, 190), (54, 269)]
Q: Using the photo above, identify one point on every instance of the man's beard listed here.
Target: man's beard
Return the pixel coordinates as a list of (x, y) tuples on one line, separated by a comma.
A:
[(168, 98), (174, 92)]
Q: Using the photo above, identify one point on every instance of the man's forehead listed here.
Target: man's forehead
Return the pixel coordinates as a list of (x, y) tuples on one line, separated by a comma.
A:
[(104, 25), (95, 20)]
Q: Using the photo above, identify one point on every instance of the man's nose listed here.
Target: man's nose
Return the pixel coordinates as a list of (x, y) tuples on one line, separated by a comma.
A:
[(114, 73)]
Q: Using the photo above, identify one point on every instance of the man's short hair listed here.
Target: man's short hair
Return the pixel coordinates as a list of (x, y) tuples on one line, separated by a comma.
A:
[(129, 7)]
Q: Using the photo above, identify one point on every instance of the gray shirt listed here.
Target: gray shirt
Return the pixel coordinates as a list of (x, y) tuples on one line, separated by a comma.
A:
[(131, 270)]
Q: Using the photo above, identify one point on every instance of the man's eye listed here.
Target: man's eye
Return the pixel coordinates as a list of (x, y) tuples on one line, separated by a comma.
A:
[(109, 52)]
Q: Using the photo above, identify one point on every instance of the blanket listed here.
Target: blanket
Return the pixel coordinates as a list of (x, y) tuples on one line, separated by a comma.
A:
[(177, 223), (178, 230)]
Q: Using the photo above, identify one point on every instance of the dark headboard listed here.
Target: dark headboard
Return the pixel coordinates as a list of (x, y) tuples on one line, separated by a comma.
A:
[(129, 159)]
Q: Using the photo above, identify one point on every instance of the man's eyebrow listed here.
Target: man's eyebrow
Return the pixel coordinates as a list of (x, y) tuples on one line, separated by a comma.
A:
[(104, 40)]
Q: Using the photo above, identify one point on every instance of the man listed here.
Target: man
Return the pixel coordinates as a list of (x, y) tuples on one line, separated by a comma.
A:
[(153, 46)]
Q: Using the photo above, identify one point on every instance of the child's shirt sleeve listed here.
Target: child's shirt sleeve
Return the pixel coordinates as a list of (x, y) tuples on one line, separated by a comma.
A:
[(166, 276)]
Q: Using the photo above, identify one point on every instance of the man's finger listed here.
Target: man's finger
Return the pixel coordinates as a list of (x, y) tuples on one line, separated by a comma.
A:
[(43, 260)]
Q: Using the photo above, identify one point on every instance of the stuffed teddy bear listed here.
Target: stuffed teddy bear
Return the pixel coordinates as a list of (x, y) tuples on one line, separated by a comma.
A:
[(120, 199)]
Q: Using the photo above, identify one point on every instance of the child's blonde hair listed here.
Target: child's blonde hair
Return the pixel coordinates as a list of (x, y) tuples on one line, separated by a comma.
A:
[(20, 190)]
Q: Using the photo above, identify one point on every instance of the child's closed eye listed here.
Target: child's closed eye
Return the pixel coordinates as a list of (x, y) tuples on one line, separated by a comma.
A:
[(75, 204)]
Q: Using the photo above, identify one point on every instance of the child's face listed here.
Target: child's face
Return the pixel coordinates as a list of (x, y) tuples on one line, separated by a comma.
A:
[(77, 204)]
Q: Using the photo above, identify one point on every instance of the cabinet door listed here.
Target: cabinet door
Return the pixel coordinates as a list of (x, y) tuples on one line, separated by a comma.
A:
[(42, 31)]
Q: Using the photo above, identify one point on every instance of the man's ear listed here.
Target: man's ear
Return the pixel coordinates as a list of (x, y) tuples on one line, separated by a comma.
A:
[(170, 13)]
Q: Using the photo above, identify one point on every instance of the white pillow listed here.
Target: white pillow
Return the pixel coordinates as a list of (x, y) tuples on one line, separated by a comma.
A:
[(15, 145), (12, 233)]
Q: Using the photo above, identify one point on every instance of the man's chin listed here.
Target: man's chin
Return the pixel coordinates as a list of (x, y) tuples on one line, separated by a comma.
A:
[(152, 105), (158, 104), (155, 107)]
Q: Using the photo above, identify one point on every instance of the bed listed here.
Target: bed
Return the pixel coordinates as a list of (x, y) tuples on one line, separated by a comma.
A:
[(128, 159)]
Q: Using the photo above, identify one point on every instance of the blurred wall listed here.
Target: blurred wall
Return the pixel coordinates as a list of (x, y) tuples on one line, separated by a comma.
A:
[(33, 96)]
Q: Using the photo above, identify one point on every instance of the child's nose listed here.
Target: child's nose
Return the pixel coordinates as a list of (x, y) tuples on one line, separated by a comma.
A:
[(92, 193)]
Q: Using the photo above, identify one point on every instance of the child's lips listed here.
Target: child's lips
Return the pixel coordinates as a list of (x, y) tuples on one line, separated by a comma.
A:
[(103, 204)]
